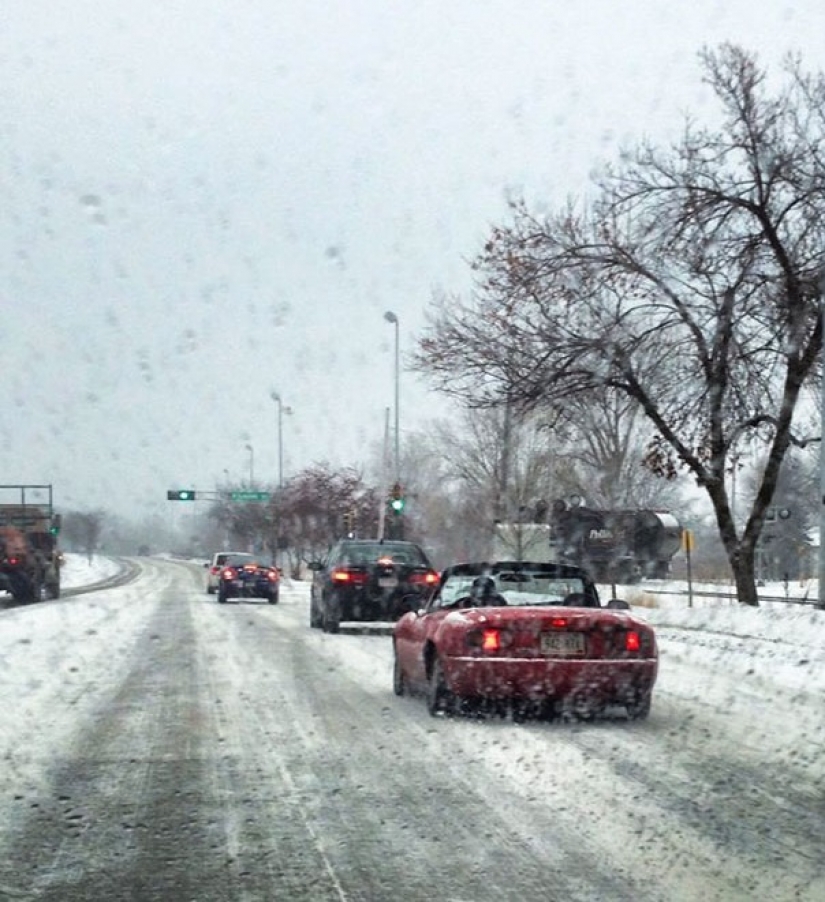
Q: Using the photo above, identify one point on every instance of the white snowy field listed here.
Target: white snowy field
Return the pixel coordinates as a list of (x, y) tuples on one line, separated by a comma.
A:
[(777, 647), (79, 570), (734, 739), (791, 636)]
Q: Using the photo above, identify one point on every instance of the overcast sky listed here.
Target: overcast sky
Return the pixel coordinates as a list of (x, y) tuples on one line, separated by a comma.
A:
[(203, 201)]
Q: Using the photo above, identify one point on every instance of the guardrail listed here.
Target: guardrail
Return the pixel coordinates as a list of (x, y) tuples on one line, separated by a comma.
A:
[(725, 596)]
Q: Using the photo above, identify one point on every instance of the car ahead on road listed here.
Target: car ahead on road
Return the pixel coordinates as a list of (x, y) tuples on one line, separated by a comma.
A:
[(241, 576), (531, 638), (368, 580), (219, 558)]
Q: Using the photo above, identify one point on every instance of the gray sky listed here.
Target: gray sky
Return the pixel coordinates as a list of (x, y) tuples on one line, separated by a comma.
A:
[(205, 200)]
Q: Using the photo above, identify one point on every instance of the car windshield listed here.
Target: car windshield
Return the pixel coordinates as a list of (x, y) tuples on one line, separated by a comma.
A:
[(518, 589), (238, 560), (371, 553)]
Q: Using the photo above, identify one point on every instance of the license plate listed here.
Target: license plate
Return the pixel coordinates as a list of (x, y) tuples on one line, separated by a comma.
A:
[(387, 582), (564, 644)]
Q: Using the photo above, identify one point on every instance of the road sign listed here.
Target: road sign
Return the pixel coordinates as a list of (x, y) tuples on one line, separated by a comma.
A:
[(249, 496)]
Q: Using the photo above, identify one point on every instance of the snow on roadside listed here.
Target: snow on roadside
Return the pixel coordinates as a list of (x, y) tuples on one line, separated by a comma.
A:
[(778, 645), (79, 570)]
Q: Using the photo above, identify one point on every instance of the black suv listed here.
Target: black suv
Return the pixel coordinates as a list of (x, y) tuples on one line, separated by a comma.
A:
[(368, 579)]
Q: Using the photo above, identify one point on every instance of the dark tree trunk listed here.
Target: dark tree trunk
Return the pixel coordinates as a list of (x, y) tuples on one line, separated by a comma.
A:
[(740, 552), (744, 574)]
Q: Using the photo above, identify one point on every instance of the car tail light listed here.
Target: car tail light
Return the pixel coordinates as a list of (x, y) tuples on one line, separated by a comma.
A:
[(384, 562), (489, 639), (430, 578), (632, 641), (348, 577), (228, 573), (272, 575), (559, 623)]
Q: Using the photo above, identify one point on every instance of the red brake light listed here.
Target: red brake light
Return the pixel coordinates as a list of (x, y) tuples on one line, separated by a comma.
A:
[(559, 623), (228, 573), (632, 641), (353, 577), (489, 639), (272, 576), (385, 561), (430, 578)]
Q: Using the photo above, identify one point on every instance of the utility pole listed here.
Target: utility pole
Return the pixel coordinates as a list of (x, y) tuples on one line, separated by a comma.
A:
[(382, 501), (822, 448)]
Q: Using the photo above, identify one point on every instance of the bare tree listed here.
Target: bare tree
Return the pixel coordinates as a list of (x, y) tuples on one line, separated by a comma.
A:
[(692, 288), (599, 447), (312, 506), (82, 529)]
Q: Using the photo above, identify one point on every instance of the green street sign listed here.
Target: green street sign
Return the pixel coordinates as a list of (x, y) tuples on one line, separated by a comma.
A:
[(249, 496)]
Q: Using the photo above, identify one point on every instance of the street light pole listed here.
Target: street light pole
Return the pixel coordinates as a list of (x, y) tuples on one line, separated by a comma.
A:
[(279, 401), (251, 451), (390, 317), (821, 567)]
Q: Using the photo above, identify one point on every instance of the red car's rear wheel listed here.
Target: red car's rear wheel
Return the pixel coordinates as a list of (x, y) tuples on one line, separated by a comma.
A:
[(439, 697), (639, 708), (399, 684)]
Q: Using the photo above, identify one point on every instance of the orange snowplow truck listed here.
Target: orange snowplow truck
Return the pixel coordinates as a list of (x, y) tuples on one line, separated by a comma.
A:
[(29, 556)]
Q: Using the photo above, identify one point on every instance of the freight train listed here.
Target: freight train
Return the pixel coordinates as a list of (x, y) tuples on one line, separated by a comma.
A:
[(620, 546), (615, 545)]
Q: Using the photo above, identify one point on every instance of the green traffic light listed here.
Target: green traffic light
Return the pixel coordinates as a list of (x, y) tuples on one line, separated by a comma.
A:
[(180, 495), (397, 504)]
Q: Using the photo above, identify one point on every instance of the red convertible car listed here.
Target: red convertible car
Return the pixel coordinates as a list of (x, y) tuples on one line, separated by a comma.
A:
[(534, 638)]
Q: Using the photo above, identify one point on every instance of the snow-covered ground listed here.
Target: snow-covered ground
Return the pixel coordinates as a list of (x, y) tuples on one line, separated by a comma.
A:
[(737, 717), (79, 570), (790, 637)]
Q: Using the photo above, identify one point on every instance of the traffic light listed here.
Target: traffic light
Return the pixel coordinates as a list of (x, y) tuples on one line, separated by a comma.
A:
[(180, 495), (397, 500), (349, 521), (57, 522)]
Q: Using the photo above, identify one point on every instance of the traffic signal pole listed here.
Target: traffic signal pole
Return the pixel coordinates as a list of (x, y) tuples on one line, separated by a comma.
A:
[(201, 495), (822, 446)]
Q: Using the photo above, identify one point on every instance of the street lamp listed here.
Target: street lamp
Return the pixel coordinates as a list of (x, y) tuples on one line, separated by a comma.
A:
[(251, 451), (390, 317), (281, 411), (277, 398)]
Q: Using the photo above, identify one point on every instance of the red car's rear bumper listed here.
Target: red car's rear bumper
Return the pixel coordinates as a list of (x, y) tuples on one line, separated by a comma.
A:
[(611, 681)]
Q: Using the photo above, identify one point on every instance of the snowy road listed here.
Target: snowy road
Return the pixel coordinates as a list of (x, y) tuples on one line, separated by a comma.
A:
[(159, 746)]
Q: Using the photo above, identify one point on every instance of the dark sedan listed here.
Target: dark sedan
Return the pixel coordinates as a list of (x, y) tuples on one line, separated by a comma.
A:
[(368, 580), (241, 577)]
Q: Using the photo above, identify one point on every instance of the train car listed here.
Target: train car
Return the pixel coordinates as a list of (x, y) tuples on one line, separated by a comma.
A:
[(615, 545)]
